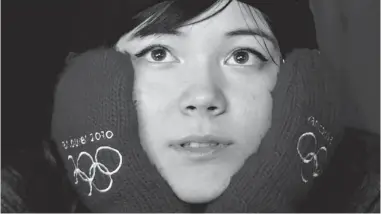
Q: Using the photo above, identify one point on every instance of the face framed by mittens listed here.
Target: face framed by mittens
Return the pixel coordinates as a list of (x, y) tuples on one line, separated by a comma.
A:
[(204, 97), (208, 110)]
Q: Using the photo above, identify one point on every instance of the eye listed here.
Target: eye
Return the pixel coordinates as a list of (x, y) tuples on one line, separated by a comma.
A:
[(157, 54), (245, 56)]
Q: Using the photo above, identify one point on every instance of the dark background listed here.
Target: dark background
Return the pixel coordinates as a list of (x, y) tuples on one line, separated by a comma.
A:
[(36, 38)]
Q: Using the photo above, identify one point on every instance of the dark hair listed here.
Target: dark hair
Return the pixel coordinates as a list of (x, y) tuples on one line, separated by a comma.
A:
[(167, 16), (290, 20)]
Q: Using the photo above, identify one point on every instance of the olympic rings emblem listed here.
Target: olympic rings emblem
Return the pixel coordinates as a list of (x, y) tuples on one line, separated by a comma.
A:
[(96, 165), (311, 156)]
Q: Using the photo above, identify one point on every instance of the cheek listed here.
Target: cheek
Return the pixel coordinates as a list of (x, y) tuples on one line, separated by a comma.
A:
[(154, 91), (251, 113), (156, 94)]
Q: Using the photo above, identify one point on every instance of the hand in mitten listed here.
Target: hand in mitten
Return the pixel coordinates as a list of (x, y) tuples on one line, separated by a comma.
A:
[(305, 129), (95, 126)]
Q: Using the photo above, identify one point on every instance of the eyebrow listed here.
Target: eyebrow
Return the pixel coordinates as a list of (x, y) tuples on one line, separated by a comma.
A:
[(145, 33), (233, 33), (252, 32)]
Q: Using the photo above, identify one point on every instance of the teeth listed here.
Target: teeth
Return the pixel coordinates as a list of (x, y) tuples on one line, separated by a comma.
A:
[(195, 145), (200, 145)]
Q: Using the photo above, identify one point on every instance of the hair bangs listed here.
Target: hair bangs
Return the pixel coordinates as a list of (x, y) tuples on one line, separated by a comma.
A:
[(166, 17)]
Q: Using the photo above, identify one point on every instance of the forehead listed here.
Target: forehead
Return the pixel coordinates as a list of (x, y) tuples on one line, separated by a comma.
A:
[(235, 16)]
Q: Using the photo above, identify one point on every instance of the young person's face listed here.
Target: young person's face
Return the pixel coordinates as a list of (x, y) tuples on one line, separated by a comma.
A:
[(204, 97)]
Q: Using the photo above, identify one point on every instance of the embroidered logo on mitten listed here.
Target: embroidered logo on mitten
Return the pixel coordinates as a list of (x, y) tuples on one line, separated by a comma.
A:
[(313, 153), (309, 140), (96, 166)]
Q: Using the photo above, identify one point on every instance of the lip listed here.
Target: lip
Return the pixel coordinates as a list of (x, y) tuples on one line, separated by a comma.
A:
[(208, 152)]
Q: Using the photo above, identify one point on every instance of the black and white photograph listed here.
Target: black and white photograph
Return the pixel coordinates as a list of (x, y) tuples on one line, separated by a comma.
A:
[(190, 106)]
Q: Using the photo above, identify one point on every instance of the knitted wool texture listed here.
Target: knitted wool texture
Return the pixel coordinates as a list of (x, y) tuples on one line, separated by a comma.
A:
[(94, 111), (94, 99), (306, 106)]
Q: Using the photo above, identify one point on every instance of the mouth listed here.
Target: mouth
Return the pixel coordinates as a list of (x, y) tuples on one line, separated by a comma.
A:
[(201, 146)]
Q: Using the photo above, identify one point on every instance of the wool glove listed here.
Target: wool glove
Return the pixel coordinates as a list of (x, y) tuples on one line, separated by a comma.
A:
[(306, 128), (95, 126)]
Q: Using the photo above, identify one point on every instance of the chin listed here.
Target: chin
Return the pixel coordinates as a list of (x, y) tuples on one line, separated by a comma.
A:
[(199, 183), (196, 193)]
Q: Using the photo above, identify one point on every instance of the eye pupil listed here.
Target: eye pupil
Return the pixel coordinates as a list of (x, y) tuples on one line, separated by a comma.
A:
[(158, 54), (241, 57)]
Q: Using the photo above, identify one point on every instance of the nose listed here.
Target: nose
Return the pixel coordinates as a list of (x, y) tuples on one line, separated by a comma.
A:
[(203, 101)]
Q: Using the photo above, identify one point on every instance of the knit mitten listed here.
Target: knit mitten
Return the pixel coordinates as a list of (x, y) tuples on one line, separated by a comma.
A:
[(306, 127), (95, 126)]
